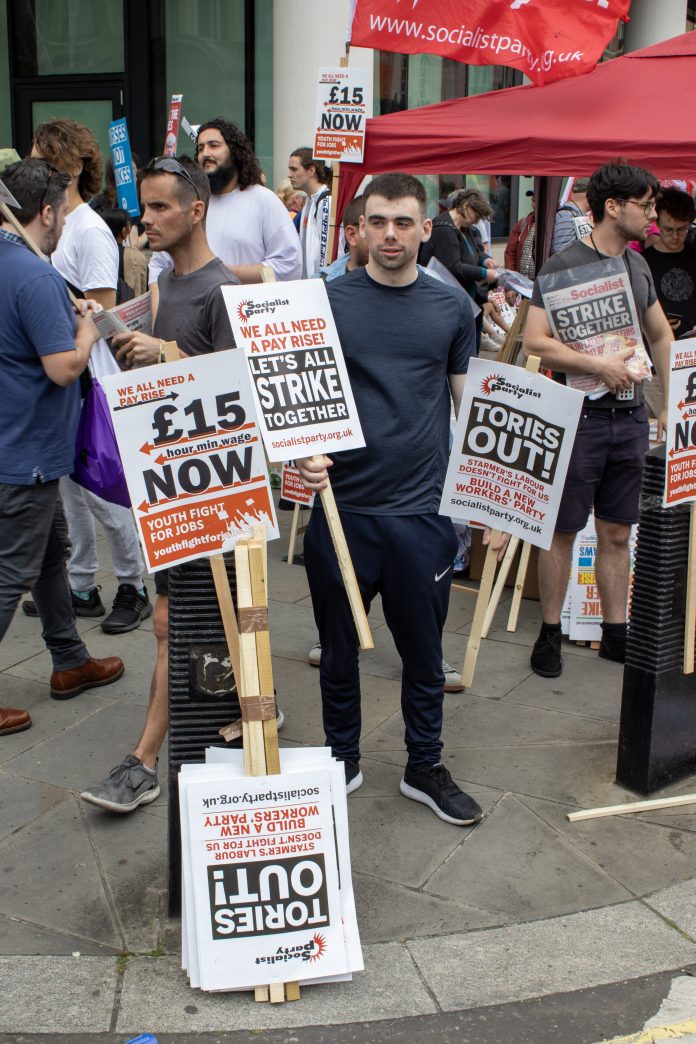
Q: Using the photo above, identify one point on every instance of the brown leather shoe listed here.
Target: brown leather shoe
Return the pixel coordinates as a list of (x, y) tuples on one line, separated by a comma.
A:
[(12, 720), (66, 684)]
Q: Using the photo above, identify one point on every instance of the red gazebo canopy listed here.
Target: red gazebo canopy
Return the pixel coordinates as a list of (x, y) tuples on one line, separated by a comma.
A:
[(638, 106)]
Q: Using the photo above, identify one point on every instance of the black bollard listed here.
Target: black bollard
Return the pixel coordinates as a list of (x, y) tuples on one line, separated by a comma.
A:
[(657, 734), (202, 691)]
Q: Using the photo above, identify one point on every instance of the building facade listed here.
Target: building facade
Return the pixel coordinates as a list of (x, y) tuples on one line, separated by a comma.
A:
[(252, 61)]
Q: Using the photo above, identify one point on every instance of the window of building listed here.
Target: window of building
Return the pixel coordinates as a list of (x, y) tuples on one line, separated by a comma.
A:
[(411, 81), (67, 37)]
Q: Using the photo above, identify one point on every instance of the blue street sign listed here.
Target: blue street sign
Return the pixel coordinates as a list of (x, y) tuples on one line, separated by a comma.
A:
[(124, 174)]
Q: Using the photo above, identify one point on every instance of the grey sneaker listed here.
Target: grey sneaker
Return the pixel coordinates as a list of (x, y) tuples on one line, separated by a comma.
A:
[(128, 785), (453, 679), (314, 655)]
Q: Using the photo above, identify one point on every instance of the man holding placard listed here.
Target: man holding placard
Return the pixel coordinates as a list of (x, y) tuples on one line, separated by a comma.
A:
[(592, 304), (174, 195), (44, 350), (389, 492)]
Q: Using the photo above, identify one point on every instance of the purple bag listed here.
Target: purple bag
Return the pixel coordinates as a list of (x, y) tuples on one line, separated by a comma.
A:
[(98, 464)]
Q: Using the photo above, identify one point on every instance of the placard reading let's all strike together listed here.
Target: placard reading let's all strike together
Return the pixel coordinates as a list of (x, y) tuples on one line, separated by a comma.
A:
[(295, 363)]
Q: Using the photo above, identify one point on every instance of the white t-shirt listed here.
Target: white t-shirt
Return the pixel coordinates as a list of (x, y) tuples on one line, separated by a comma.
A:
[(246, 228), (87, 256)]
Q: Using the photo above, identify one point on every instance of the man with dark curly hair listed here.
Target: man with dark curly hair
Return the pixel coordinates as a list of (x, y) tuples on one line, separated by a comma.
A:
[(247, 225)]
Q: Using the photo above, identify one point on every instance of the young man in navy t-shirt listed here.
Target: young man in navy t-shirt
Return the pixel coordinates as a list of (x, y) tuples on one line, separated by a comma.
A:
[(407, 341)]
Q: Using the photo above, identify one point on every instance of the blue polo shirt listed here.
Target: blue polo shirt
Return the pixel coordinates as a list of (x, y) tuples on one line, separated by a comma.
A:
[(38, 418)]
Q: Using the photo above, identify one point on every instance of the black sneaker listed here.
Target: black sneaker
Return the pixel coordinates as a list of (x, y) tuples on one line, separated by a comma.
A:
[(29, 607), (90, 606), (433, 786), (354, 777), (129, 610), (546, 659)]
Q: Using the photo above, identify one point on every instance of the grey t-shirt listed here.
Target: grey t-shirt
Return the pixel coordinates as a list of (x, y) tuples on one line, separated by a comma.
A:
[(578, 254), (192, 310)]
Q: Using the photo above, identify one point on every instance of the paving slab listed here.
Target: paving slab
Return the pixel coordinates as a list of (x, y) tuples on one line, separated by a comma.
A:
[(678, 905), (132, 853), (475, 721), (156, 992), (520, 869), (24, 800), (534, 960), (613, 843), (500, 665), (51, 878), (67, 994), (21, 937), (388, 911), (84, 753), (401, 840), (588, 687), (297, 684)]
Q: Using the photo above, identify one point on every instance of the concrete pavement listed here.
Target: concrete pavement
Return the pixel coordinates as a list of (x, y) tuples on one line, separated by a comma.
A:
[(524, 906)]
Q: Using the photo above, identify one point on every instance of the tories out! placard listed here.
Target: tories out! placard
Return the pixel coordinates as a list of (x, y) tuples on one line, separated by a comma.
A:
[(295, 363), (680, 472), (192, 456), (261, 878), (512, 443)]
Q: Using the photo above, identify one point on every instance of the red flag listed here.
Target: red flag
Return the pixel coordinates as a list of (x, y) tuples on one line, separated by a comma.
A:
[(545, 39)]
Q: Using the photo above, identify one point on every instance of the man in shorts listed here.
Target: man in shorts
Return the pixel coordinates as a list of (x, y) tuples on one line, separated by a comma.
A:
[(175, 195), (606, 465)]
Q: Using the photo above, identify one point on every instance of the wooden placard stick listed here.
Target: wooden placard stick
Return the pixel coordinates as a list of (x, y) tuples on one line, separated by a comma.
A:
[(254, 747), (293, 533), (519, 586), (502, 576), (690, 621), (508, 350), (485, 588), (259, 594), (345, 563), (631, 806)]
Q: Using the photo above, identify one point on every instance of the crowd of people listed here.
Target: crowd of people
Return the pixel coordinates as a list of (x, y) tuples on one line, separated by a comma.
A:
[(211, 221)]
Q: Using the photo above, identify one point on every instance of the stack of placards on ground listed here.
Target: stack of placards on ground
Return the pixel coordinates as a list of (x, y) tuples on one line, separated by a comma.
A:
[(581, 618), (267, 888)]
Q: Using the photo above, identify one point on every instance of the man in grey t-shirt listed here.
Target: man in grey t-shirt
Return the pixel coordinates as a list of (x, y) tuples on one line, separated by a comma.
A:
[(174, 195), (606, 465)]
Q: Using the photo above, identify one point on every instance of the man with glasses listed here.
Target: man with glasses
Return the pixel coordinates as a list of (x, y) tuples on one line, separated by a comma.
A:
[(606, 466), (44, 348), (671, 258)]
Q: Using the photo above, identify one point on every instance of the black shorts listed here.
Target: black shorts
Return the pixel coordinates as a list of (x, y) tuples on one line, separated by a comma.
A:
[(162, 582), (606, 467)]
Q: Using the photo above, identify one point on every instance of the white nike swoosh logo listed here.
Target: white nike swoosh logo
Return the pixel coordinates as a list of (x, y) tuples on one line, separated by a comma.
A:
[(439, 576)]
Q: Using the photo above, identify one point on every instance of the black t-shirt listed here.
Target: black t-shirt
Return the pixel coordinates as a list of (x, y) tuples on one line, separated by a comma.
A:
[(675, 283), (399, 343)]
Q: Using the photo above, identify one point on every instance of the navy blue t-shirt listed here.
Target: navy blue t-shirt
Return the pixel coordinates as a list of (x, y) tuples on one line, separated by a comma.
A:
[(38, 418), (400, 343)]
